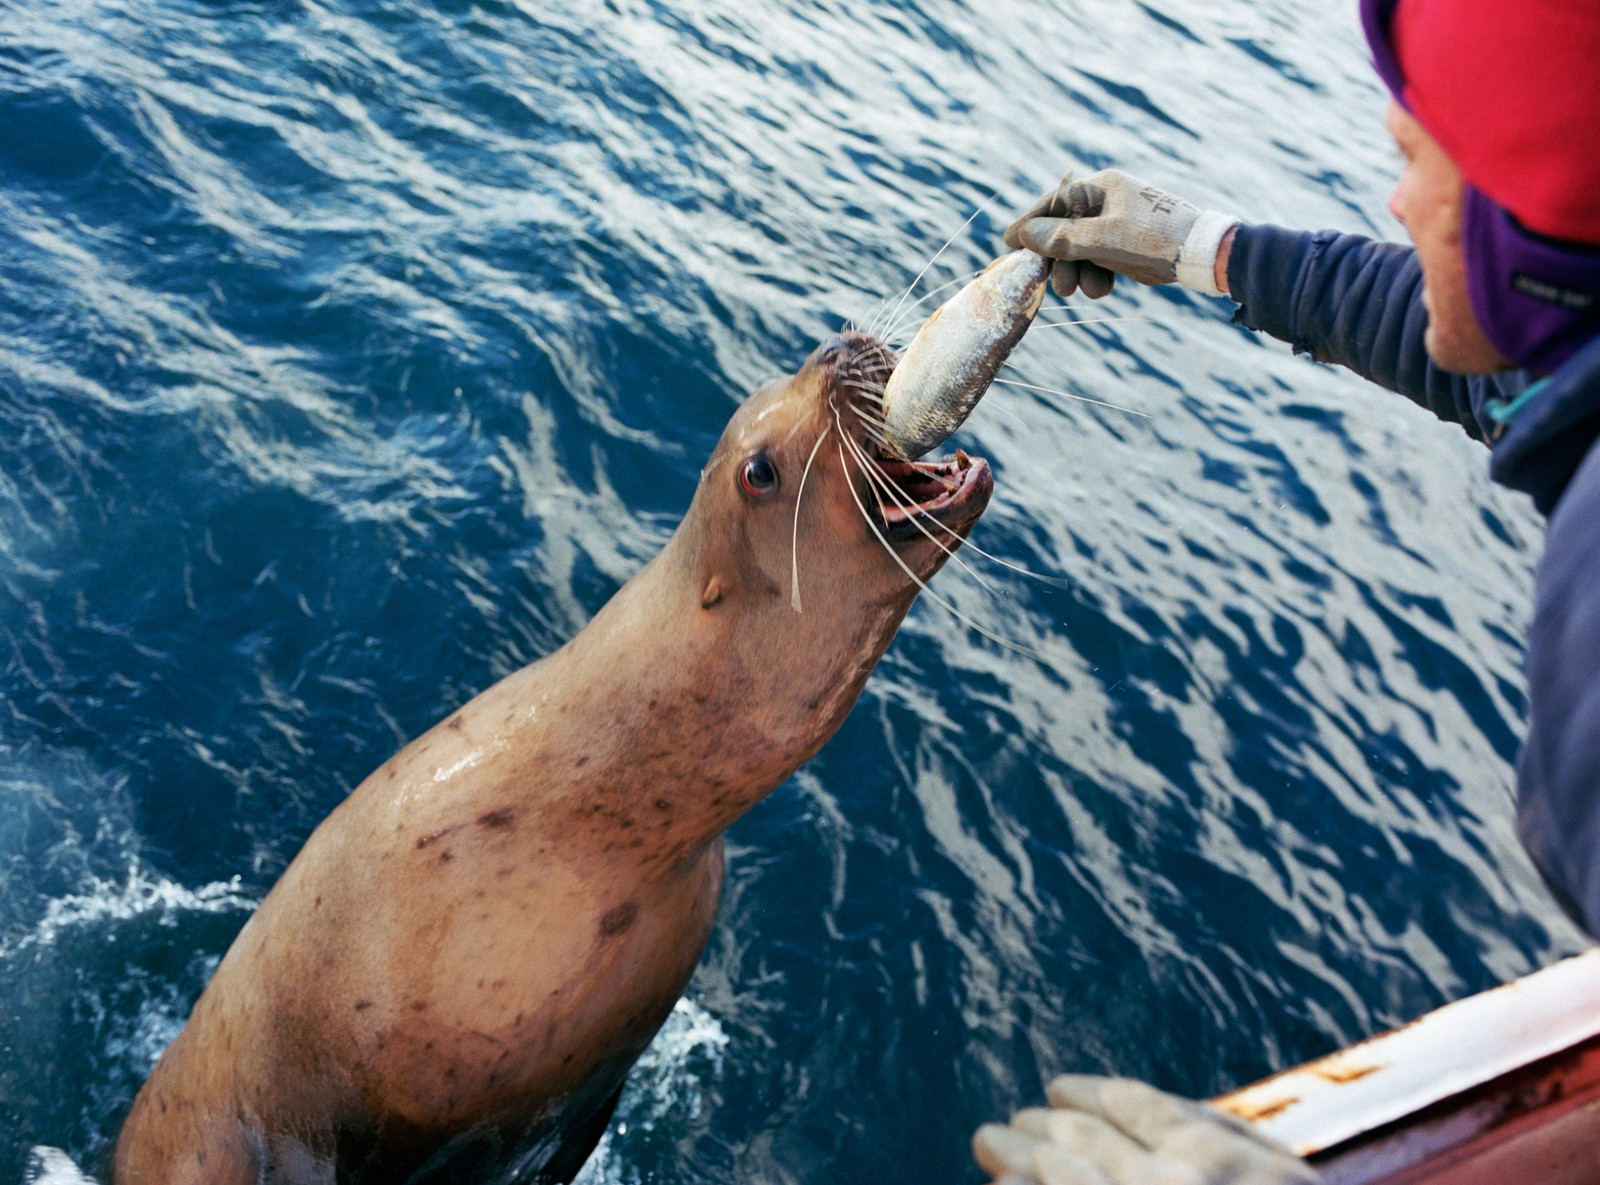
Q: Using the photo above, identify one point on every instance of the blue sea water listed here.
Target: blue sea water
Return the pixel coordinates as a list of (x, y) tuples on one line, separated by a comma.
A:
[(353, 352)]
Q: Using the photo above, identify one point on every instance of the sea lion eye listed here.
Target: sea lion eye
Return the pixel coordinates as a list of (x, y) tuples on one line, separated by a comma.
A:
[(759, 477)]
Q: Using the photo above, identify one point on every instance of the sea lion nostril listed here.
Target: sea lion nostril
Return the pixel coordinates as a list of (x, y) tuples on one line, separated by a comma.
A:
[(829, 352), (858, 360)]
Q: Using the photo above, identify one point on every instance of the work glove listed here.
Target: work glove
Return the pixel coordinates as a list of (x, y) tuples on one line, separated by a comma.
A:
[(1110, 223), (1116, 1131)]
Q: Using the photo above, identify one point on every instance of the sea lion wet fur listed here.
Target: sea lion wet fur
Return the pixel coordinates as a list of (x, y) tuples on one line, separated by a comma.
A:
[(456, 972)]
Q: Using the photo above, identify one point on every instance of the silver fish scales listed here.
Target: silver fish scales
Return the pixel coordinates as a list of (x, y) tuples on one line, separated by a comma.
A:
[(955, 355)]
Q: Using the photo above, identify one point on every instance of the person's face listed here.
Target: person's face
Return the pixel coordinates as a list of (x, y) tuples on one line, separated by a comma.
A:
[(1427, 200)]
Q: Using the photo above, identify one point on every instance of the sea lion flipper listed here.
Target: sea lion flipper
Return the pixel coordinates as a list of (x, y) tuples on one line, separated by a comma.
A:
[(575, 1149)]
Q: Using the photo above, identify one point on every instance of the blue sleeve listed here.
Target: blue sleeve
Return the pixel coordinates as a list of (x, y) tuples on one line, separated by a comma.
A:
[(1558, 770), (1353, 301)]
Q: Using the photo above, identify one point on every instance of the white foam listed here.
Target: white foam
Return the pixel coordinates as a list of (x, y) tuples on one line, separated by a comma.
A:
[(51, 1166), (140, 895), (152, 1028), (666, 1087)]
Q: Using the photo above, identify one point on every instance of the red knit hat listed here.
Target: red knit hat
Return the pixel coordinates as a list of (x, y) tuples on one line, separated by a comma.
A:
[(1511, 90)]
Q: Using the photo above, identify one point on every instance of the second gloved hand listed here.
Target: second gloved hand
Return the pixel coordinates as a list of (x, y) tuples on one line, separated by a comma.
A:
[(1112, 222), (1117, 1131)]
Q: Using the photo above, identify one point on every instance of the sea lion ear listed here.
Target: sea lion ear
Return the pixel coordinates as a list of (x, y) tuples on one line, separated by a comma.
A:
[(712, 594)]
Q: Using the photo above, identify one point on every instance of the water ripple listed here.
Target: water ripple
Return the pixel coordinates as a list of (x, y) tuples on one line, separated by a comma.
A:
[(352, 353)]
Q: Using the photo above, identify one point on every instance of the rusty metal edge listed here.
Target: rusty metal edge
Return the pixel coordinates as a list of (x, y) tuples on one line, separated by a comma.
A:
[(1329, 1102), (1444, 1133)]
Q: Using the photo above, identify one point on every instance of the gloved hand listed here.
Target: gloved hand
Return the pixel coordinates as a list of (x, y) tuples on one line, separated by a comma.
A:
[(1116, 1131), (1110, 222)]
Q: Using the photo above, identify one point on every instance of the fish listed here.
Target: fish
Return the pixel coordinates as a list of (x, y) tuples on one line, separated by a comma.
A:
[(944, 372)]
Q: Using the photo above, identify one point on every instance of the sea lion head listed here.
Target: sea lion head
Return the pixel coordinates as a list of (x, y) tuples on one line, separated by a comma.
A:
[(806, 544)]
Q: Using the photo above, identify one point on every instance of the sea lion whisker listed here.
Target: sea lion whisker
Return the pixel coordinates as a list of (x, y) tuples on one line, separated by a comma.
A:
[(894, 491), (881, 316), (1088, 321), (876, 431), (862, 380), (874, 474), (870, 392), (881, 480), (872, 425), (900, 329), (1012, 416), (924, 299), (868, 420), (928, 592), (877, 436), (868, 405), (854, 447), (1070, 395), (1053, 581), (839, 423), (794, 539), (877, 311), (910, 287), (873, 391), (881, 350)]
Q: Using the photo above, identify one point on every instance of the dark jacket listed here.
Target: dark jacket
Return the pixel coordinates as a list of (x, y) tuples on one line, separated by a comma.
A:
[(1347, 299)]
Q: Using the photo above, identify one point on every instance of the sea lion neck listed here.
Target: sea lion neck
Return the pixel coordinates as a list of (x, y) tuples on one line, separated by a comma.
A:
[(645, 726), (700, 723)]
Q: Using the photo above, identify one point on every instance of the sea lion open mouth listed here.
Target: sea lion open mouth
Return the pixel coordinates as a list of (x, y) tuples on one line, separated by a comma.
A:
[(948, 491), (909, 501)]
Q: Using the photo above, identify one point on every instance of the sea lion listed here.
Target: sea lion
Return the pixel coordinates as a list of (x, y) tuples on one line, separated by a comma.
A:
[(453, 977)]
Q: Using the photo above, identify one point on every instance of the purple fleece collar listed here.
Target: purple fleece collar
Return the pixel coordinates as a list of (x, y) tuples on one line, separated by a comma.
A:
[(1537, 299)]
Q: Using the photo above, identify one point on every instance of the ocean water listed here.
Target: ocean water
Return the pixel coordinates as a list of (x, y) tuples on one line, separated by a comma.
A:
[(353, 352)]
